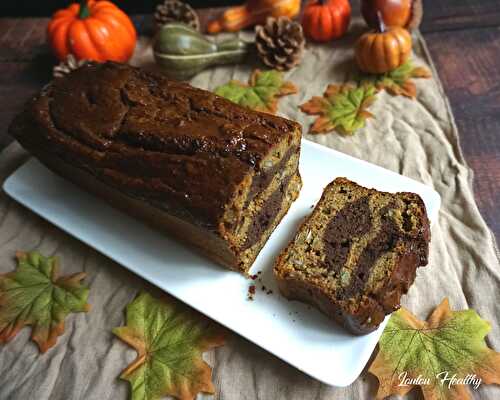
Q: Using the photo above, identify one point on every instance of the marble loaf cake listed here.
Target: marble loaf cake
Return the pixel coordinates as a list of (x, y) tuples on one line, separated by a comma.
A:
[(183, 159), (356, 254)]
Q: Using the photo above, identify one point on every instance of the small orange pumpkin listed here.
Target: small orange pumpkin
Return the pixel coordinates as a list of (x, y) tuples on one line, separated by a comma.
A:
[(92, 30), (325, 20), (384, 50)]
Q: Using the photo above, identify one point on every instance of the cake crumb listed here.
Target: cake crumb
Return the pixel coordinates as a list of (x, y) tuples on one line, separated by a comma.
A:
[(255, 276), (251, 292)]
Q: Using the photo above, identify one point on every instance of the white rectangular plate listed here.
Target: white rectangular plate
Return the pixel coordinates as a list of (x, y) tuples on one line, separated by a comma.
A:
[(292, 331)]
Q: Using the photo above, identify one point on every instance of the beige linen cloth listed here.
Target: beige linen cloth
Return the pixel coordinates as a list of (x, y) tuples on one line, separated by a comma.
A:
[(416, 138)]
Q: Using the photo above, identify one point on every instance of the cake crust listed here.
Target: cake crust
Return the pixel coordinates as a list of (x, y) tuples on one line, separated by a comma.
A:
[(364, 258), (200, 159), (152, 137)]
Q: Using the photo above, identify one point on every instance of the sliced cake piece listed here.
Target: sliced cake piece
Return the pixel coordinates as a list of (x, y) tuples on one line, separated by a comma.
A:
[(356, 254)]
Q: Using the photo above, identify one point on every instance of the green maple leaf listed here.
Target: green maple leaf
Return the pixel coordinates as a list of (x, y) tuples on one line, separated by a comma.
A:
[(33, 295), (398, 81), (449, 342), (342, 108), (169, 339), (261, 93)]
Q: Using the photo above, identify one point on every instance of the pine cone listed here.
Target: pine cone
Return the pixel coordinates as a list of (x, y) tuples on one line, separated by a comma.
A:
[(280, 43), (68, 65), (176, 11)]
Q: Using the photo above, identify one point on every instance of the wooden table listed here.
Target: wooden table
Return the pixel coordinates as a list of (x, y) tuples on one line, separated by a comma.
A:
[(464, 40)]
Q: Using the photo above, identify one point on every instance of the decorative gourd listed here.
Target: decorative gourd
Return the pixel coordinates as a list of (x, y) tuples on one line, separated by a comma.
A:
[(253, 12), (92, 30), (325, 20), (384, 50), (182, 52), (404, 13)]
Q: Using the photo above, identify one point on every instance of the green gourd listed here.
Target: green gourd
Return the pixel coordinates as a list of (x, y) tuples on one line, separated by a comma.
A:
[(182, 52)]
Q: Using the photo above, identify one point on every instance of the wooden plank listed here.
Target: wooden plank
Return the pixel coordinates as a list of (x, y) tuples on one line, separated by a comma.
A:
[(45, 8), (471, 79), (467, 63), (443, 15), (446, 15), (487, 188), (22, 39), (440, 14)]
